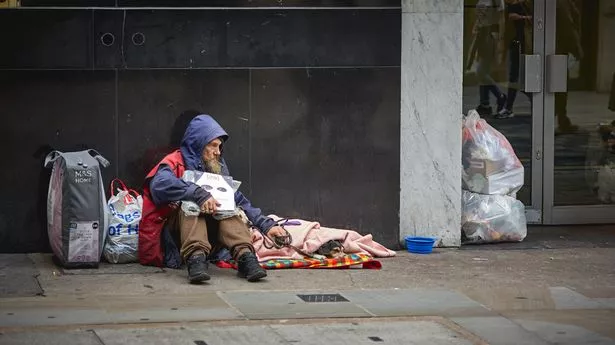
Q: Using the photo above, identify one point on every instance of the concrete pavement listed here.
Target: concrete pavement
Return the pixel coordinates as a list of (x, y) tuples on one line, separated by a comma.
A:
[(477, 295)]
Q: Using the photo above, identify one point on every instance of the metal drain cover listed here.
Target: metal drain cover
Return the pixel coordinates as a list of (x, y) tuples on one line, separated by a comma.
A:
[(323, 298)]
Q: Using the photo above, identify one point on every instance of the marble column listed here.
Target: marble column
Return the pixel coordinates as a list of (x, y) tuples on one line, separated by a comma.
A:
[(431, 109)]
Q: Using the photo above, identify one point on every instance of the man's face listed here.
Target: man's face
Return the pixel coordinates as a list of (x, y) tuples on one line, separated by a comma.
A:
[(212, 150), (211, 156)]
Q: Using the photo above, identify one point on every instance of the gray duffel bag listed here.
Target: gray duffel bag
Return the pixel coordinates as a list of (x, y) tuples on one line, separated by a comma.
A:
[(76, 207)]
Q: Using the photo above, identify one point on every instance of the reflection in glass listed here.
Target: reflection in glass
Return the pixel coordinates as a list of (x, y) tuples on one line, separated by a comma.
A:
[(497, 32), (584, 171)]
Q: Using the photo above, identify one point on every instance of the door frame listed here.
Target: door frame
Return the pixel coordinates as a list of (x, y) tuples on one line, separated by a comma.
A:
[(534, 212), (551, 214)]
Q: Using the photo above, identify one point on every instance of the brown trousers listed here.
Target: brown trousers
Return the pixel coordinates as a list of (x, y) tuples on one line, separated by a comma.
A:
[(204, 233)]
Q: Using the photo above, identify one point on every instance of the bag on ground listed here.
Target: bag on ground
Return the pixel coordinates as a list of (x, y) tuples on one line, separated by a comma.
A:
[(490, 165), (125, 207), (491, 219), (76, 207)]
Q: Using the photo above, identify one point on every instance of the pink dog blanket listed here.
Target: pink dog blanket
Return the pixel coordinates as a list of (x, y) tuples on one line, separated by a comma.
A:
[(309, 236)]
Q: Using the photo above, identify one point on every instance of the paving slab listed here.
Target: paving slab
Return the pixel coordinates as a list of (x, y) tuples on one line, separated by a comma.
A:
[(599, 321), (55, 317), (54, 311), (411, 302), (18, 276), (597, 291), (564, 298), (284, 304), (107, 268), (50, 338), (499, 331), (362, 332), (513, 298), (370, 333), (606, 302), (207, 335), (564, 334)]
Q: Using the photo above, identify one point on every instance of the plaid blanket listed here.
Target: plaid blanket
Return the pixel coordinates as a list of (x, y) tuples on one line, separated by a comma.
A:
[(364, 260)]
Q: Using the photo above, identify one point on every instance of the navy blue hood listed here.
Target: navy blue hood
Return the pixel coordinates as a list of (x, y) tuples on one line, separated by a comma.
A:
[(200, 132)]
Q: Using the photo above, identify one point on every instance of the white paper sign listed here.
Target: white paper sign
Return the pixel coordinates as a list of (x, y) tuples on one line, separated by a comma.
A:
[(219, 188)]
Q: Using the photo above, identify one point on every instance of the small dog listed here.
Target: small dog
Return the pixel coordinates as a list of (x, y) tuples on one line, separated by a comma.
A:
[(605, 185)]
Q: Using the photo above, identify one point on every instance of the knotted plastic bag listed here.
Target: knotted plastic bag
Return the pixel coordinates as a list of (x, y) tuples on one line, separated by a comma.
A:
[(490, 165)]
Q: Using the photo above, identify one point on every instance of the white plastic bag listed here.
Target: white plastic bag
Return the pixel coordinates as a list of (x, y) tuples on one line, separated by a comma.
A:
[(492, 218), (490, 165), (125, 207)]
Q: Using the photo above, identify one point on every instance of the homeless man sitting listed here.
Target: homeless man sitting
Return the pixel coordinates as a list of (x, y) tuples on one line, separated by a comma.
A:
[(200, 149)]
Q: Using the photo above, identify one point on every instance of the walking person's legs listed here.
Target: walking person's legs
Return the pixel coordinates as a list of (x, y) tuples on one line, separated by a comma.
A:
[(486, 54), (612, 96), (564, 124), (514, 52)]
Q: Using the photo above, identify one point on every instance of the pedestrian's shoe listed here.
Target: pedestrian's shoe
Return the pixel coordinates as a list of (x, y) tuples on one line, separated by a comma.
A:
[(249, 268), (197, 268), (504, 114), (568, 129), (484, 110), (501, 103), (564, 125)]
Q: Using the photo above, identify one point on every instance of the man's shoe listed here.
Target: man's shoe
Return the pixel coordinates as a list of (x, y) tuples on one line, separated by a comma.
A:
[(249, 268), (197, 268)]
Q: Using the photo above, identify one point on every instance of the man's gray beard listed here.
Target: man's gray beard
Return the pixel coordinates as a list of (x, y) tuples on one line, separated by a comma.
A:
[(213, 166)]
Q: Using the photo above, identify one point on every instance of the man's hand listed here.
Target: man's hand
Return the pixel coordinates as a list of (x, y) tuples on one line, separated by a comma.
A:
[(276, 231), (210, 206)]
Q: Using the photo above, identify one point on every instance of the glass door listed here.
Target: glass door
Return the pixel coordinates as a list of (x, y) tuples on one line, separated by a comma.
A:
[(579, 108), (503, 81)]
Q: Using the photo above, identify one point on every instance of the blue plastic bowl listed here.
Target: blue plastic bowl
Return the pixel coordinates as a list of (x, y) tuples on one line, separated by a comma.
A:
[(419, 245)]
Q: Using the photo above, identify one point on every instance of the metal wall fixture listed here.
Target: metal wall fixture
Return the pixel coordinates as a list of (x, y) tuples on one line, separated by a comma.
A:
[(138, 38), (107, 39)]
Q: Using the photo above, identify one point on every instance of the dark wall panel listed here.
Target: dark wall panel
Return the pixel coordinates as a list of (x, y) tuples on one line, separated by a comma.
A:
[(258, 3), (314, 38), (177, 39), (45, 39), (264, 38), (210, 3), (68, 3), (325, 145), (85, 39), (66, 110), (151, 122), (107, 39)]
